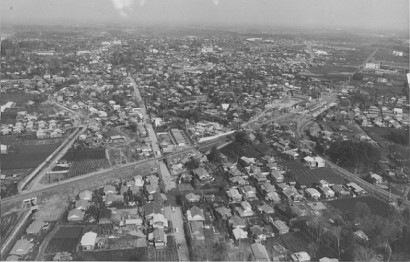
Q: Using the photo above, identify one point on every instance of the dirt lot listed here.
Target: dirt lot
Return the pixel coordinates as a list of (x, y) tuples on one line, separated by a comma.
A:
[(52, 208)]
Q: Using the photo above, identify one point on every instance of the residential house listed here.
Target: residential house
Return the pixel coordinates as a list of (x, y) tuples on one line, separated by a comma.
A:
[(82, 204), (21, 248), (152, 208), (300, 257), (237, 222), (312, 193), (196, 230), (112, 199), (195, 214), (258, 233), (88, 241), (249, 192), (192, 198), (245, 210), (35, 227), (234, 195), (239, 233), (159, 238), (159, 221), (259, 252), (280, 227), (224, 212), (75, 215), (86, 195), (277, 176)]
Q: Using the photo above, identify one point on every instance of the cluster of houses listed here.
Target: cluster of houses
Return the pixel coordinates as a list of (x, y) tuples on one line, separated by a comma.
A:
[(136, 209), (51, 126)]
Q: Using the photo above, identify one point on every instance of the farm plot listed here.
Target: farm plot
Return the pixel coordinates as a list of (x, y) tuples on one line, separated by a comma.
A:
[(79, 168), (85, 161), (8, 222), (348, 204), (305, 176), (64, 240), (27, 156), (79, 155)]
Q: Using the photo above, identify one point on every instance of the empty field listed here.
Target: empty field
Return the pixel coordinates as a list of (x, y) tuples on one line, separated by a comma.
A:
[(348, 204), (27, 156), (305, 176), (65, 239)]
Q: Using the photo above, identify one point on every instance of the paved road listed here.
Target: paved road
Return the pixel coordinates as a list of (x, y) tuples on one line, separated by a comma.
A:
[(150, 130), (56, 156), (176, 218)]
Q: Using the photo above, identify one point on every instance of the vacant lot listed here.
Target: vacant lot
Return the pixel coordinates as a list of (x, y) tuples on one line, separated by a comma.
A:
[(27, 156), (64, 240), (308, 177), (8, 222), (381, 134), (348, 204)]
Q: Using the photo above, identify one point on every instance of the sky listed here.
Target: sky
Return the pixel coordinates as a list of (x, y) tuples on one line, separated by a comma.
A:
[(374, 14)]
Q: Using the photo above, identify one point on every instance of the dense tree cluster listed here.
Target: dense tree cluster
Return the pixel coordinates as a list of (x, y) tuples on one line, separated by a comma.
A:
[(357, 155)]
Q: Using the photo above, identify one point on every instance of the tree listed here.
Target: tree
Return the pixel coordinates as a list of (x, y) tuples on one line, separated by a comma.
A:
[(214, 156), (242, 138), (362, 211), (361, 253)]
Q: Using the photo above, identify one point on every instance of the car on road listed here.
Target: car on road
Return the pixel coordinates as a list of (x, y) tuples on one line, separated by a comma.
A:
[(176, 230), (173, 209)]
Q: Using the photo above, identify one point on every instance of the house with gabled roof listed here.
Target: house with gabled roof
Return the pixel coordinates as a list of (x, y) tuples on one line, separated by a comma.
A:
[(196, 230), (249, 192), (152, 208), (237, 222), (195, 214)]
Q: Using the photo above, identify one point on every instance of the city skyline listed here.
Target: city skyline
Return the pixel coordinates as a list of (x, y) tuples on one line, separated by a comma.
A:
[(364, 14)]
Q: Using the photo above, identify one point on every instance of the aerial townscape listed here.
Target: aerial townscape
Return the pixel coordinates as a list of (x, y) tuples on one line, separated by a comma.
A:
[(132, 140)]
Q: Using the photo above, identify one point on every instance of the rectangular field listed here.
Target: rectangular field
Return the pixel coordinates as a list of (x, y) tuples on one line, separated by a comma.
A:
[(134, 254), (27, 156), (308, 177), (80, 155), (8, 222), (348, 204), (79, 168), (65, 239)]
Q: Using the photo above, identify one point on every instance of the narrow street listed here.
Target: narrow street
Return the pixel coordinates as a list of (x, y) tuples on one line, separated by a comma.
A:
[(176, 216)]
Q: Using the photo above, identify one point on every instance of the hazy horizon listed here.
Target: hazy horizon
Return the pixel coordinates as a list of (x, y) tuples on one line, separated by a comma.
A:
[(363, 14)]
